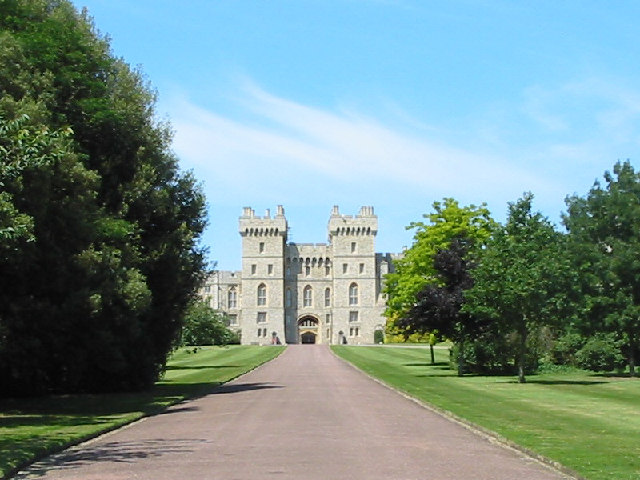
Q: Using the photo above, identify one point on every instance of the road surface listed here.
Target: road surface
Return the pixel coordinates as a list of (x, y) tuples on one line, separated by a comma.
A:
[(305, 415)]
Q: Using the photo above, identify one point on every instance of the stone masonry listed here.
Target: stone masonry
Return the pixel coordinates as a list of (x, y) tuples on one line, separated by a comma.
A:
[(304, 292)]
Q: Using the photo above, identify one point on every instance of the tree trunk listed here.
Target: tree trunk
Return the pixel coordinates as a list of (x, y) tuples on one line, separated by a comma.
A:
[(461, 359), (433, 358), (632, 356), (522, 356)]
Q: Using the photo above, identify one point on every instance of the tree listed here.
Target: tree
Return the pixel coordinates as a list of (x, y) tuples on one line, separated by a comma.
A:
[(603, 230), (415, 270), (99, 229), (523, 279), (203, 325), (438, 305)]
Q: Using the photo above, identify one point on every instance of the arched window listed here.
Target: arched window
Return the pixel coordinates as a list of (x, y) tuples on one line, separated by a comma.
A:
[(327, 297), (262, 294), (233, 298), (353, 294), (288, 297), (307, 298)]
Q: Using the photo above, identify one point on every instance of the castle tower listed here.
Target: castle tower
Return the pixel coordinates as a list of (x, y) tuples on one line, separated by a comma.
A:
[(356, 311), (263, 245)]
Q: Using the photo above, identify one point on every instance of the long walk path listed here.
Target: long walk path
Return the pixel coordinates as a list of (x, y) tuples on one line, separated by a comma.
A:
[(305, 415)]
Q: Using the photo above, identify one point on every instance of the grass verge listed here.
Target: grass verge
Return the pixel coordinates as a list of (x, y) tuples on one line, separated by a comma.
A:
[(35, 427), (587, 422)]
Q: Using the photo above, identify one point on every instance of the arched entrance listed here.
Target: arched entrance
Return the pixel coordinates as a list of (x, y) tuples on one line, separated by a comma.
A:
[(308, 329)]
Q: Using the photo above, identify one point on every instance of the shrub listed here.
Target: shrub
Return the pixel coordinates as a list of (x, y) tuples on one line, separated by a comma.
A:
[(601, 353), (565, 348), (205, 326)]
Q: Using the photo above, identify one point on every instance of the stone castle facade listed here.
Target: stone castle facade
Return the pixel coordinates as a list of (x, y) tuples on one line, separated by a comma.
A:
[(303, 292)]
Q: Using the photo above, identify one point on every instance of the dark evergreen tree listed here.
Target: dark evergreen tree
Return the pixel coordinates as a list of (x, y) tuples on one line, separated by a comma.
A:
[(99, 229)]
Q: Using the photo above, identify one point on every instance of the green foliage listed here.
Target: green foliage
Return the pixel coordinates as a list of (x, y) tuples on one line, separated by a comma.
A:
[(603, 229), (564, 349), (600, 353), (524, 279), (98, 228), (202, 325), (416, 269)]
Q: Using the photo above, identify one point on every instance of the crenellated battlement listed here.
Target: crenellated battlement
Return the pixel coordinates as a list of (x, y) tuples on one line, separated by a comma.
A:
[(252, 225)]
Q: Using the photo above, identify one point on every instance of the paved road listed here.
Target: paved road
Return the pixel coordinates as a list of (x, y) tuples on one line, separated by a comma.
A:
[(305, 415)]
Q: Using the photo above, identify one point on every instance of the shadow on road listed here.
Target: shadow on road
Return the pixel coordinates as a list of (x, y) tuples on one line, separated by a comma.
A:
[(243, 387), (119, 452)]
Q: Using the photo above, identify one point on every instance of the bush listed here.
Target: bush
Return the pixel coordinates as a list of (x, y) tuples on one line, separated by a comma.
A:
[(205, 326), (601, 353), (378, 336), (565, 348)]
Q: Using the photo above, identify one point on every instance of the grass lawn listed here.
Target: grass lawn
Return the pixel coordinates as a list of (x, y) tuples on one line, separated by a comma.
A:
[(587, 422), (31, 428)]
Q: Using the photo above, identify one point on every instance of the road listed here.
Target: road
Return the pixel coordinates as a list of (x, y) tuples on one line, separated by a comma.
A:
[(305, 415)]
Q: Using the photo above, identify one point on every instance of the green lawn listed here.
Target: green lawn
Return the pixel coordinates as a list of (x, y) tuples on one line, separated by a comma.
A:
[(589, 423), (31, 428)]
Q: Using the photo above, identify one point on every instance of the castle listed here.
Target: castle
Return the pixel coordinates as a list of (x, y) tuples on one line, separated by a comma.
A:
[(303, 292)]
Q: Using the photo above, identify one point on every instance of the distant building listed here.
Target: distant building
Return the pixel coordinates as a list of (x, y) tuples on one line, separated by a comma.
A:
[(304, 292)]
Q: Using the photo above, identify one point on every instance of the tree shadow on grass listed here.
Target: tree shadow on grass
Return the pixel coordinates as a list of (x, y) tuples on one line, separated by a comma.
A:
[(427, 364), (200, 367), (536, 381), (616, 375)]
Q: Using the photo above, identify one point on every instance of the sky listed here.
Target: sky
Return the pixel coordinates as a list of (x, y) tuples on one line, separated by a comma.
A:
[(394, 104)]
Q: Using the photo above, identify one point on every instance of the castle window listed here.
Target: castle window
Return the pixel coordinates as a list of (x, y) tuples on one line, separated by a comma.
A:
[(262, 294), (262, 317), (254, 268), (327, 270), (361, 269), (233, 320), (307, 299), (288, 271), (353, 294), (233, 298), (288, 297), (354, 247), (327, 318), (345, 268), (327, 297), (270, 269), (353, 316), (261, 248), (207, 289), (307, 271)]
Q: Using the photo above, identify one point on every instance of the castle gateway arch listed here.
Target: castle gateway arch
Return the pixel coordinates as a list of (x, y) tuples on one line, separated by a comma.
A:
[(308, 329)]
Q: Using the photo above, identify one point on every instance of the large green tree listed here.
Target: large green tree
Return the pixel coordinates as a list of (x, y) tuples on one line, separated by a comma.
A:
[(415, 269), (99, 229), (523, 280), (438, 306), (604, 229)]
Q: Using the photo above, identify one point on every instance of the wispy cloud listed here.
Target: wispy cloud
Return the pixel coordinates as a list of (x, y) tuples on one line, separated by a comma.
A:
[(273, 140)]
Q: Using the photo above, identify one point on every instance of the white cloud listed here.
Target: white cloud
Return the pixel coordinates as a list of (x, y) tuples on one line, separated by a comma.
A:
[(278, 142)]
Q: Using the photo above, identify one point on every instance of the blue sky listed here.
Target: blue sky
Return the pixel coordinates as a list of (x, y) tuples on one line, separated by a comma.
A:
[(395, 104)]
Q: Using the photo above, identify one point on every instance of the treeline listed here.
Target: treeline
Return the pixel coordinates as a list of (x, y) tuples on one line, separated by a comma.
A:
[(99, 229), (516, 296)]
